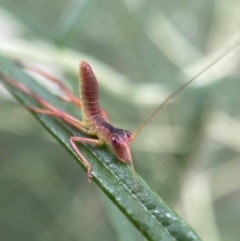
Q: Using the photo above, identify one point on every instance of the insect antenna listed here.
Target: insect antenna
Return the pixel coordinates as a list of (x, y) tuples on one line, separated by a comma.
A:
[(226, 52)]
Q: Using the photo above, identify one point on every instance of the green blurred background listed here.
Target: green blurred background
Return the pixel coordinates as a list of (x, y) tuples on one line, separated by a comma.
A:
[(141, 51)]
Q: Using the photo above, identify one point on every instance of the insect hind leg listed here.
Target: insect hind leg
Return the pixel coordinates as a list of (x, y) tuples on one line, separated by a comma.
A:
[(70, 97), (50, 109)]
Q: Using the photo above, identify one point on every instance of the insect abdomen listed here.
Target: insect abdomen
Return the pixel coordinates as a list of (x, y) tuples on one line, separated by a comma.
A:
[(88, 91)]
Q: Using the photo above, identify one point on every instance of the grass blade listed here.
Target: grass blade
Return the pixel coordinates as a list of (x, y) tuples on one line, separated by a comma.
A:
[(158, 221)]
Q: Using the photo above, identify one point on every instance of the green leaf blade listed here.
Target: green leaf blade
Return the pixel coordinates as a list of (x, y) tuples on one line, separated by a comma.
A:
[(145, 209)]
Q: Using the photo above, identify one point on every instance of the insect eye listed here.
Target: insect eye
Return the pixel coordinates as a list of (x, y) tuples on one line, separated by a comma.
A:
[(129, 134), (115, 141)]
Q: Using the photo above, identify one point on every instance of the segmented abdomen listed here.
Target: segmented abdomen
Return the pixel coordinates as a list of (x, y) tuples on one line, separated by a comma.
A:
[(88, 92)]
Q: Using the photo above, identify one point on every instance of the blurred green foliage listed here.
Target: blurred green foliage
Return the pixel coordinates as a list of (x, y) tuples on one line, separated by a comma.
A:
[(189, 154)]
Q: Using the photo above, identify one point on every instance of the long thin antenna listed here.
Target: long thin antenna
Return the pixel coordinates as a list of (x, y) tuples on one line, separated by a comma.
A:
[(228, 50)]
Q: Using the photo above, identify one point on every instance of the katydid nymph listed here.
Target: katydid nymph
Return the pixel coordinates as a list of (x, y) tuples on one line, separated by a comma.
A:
[(94, 120)]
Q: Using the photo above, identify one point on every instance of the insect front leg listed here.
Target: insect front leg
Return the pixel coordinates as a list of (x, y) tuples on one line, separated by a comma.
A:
[(75, 123), (73, 141)]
